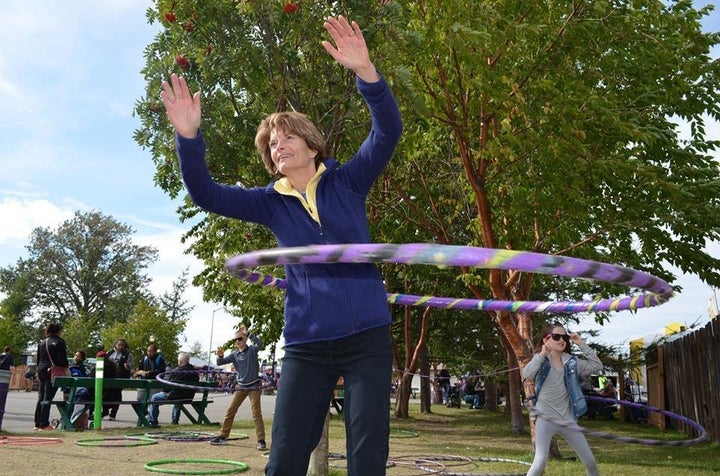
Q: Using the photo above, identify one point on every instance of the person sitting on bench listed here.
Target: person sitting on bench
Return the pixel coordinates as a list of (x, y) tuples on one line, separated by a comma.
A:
[(474, 394), (184, 373)]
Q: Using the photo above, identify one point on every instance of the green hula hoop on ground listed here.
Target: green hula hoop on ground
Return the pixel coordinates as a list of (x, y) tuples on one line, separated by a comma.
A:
[(397, 433), (124, 441), (237, 466), (188, 436)]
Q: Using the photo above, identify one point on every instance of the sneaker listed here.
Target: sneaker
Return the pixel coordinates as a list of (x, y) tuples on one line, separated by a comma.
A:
[(111, 418), (153, 424), (175, 422), (219, 440), (261, 445)]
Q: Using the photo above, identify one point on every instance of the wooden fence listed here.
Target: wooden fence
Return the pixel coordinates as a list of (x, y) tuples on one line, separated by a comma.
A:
[(688, 368)]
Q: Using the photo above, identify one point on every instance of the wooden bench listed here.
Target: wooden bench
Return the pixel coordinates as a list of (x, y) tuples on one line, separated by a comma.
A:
[(66, 407)]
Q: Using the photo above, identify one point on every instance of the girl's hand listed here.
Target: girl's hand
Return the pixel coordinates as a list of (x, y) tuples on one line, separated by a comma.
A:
[(575, 337)]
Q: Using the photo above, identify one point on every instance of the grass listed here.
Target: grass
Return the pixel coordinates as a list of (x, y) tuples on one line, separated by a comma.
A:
[(442, 437)]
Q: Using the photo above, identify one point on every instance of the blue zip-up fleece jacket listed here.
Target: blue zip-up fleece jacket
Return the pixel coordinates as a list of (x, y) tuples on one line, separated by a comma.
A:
[(539, 367), (322, 301)]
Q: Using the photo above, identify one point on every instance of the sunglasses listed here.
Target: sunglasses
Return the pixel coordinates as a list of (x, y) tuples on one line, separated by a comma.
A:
[(556, 337), (239, 339)]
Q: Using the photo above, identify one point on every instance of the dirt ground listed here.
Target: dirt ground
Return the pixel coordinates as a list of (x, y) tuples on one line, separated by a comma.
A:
[(108, 452), (69, 457)]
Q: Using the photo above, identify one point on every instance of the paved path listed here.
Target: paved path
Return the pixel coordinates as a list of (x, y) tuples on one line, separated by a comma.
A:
[(20, 411)]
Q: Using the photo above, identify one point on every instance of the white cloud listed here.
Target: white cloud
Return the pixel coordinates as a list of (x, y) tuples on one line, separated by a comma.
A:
[(688, 307), (9, 91), (20, 213), (209, 323), (60, 62), (117, 109), (19, 216), (26, 158)]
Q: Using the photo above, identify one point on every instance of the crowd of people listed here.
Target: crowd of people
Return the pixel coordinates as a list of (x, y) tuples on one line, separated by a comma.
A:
[(558, 374), (244, 379)]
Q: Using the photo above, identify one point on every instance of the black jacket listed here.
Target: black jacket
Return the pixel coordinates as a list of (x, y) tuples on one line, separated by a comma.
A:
[(185, 374), (57, 355)]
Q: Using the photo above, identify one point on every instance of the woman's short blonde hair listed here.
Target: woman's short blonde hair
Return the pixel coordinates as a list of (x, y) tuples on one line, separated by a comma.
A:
[(287, 122)]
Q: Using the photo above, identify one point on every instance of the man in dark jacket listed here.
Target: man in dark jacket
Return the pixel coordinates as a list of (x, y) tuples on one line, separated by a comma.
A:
[(152, 365), (185, 374), (6, 359)]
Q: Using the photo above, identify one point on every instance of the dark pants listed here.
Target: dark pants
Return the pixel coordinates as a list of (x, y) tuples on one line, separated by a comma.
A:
[(46, 392), (309, 375), (111, 395)]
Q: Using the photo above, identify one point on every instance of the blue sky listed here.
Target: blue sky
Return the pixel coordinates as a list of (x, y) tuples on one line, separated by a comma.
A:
[(69, 76)]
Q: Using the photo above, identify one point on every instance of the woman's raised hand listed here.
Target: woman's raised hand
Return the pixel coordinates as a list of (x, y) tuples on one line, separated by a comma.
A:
[(350, 49), (182, 108)]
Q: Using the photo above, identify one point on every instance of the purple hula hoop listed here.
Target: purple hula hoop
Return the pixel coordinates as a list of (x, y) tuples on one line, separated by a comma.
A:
[(702, 434), (658, 291), (170, 383)]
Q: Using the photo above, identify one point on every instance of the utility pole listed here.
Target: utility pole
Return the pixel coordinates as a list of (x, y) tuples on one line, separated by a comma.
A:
[(212, 326)]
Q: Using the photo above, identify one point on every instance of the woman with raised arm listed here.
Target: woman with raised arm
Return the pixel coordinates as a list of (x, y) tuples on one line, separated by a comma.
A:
[(336, 315)]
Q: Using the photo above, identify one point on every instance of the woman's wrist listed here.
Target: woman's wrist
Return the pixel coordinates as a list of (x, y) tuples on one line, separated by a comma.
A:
[(368, 74)]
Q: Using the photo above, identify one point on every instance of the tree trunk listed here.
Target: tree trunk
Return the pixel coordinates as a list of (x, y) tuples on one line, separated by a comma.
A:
[(554, 450), (319, 457), (402, 398), (513, 400), (410, 362), (491, 396), (424, 380)]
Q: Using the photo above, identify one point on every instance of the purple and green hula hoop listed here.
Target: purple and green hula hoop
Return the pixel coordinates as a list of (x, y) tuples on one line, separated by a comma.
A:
[(700, 438), (657, 290)]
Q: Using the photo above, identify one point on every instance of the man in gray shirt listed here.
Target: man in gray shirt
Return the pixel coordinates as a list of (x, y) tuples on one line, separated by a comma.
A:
[(246, 363)]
